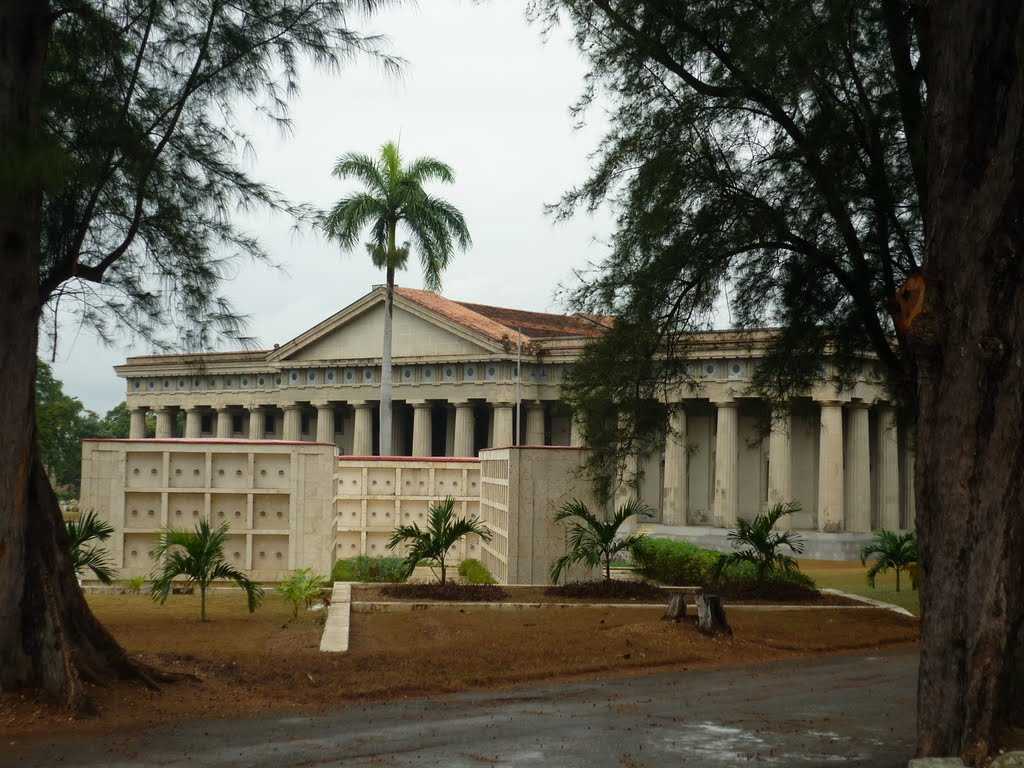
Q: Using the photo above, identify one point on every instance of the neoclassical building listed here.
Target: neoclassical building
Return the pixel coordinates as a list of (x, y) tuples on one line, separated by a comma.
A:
[(840, 454)]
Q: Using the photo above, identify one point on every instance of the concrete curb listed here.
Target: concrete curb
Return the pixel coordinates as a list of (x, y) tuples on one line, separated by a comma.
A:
[(407, 606), (869, 601), (335, 636)]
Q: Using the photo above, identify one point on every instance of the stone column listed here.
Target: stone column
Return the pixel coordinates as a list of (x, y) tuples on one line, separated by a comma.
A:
[(535, 422), (576, 433), (324, 422), (223, 422), (292, 427), (422, 428), (830, 467), (137, 424), (165, 422), (464, 427), (503, 421), (257, 423), (362, 432), (193, 423), (780, 461), (676, 487), (858, 469), (888, 469), (725, 503)]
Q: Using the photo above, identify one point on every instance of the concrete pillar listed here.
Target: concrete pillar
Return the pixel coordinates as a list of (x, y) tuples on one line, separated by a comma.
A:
[(257, 423), (165, 422), (830, 467), (324, 423), (397, 430), (780, 461), (858, 469), (193, 423), (576, 433), (464, 427), (422, 428), (292, 428), (888, 469), (504, 417), (725, 503), (535, 422), (449, 430), (362, 432), (137, 424), (676, 488), (223, 422)]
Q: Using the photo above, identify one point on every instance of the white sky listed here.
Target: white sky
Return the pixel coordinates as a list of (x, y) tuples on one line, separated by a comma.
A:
[(481, 91)]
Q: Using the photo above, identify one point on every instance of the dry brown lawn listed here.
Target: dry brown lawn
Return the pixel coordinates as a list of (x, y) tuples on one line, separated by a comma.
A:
[(251, 664)]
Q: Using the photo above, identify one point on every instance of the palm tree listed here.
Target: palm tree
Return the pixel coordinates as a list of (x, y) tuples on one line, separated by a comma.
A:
[(762, 544), (394, 195), (199, 557), (594, 541), (86, 529), (443, 530), (889, 550), (301, 589)]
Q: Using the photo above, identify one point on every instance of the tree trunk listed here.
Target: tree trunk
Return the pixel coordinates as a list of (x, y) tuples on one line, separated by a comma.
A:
[(385, 360), (970, 446), (897, 578), (202, 602), (49, 639)]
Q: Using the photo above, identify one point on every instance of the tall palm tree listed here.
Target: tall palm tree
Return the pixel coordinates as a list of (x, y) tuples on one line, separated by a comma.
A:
[(594, 541), (889, 550), (762, 544), (393, 197), (443, 530), (199, 557), (86, 529)]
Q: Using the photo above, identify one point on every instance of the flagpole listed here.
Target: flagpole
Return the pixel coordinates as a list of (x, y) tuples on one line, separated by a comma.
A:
[(519, 377)]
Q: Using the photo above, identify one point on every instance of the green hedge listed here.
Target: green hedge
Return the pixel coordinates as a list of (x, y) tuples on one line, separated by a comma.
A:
[(680, 563), (363, 568), (474, 572)]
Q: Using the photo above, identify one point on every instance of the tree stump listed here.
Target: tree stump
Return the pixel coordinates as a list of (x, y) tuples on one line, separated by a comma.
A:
[(711, 616), (676, 610)]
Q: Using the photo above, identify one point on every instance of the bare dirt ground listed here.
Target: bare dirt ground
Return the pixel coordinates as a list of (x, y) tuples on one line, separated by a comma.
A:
[(265, 663)]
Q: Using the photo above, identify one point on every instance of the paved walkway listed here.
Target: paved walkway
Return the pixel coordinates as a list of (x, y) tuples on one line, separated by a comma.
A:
[(838, 711)]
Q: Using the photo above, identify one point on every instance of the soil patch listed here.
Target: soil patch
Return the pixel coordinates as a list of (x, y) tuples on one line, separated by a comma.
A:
[(610, 591), (265, 663), (448, 592)]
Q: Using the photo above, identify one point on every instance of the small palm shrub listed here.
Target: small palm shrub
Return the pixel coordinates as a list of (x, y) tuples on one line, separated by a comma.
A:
[(372, 569), (593, 541), (762, 545), (135, 584), (85, 533), (198, 556), (301, 589), (474, 572), (431, 544), (890, 550)]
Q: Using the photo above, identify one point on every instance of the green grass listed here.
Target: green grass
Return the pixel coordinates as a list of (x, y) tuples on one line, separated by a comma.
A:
[(851, 577)]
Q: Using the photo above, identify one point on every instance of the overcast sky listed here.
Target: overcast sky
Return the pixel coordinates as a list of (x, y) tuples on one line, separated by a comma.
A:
[(481, 91)]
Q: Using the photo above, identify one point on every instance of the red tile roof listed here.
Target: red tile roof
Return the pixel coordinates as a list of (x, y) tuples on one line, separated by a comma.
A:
[(500, 323)]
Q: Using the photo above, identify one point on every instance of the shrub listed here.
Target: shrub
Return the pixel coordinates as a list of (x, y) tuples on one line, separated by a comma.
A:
[(135, 584), (444, 529), (363, 568), (301, 589), (474, 572)]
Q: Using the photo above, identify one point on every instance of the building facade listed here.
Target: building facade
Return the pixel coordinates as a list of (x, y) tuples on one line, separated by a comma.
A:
[(840, 453)]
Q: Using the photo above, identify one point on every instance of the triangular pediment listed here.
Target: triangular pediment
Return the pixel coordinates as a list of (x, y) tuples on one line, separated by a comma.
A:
[(357, 332)]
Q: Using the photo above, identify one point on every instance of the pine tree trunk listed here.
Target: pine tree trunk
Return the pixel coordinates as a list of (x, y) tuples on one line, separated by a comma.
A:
[(385, 363), (49, 639), (970, 446)]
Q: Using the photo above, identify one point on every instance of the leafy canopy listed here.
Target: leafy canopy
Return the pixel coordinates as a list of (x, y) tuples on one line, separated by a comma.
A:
[(198, 557), (766, 155), (84, 553), (762, 545), (593, 541), (143, 144), (431, 544), (394, 195)]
